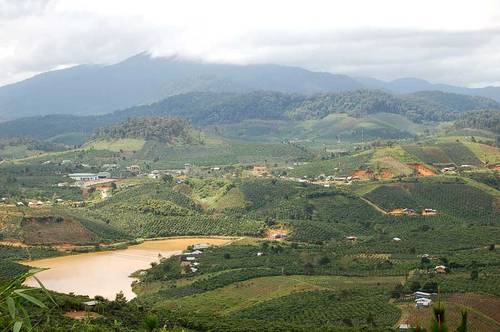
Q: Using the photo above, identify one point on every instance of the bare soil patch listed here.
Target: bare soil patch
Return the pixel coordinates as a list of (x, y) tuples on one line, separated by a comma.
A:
[(81, 315), (422, 170), (54, 230)]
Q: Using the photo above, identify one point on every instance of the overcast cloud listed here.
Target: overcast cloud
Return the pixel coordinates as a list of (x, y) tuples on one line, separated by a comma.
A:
[(444, 41)]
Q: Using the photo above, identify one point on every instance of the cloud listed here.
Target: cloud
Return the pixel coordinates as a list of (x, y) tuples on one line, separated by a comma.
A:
[(455, 42)]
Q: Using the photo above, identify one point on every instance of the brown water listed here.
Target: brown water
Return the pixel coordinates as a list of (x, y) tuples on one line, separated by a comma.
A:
[(107, 273)]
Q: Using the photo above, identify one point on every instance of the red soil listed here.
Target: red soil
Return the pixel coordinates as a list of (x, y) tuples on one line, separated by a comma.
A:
[(422, 170)]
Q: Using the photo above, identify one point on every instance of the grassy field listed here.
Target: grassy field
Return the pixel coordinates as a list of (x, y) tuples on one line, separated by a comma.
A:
[(116, 145)]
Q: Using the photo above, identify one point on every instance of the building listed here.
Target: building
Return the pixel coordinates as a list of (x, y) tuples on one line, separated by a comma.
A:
[(84, 176), (259, 170), (103, 175), (154, 175), (405, 327), (351, 238), (422, 295), (396, 239), (429, 212), (440, 269), (448, 169), (134, 169), (423, 302), (201, 246)]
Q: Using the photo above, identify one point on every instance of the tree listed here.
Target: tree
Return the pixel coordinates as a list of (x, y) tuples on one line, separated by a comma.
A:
[(397, 291), (474, 274), (324, 260), (415, 286), (308, 268), (439, 322), (120, 298), (151, 322), (430, 287), (463, 323), (370, 320)]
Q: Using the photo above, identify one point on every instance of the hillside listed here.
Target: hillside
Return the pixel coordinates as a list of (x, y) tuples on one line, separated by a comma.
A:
[(487, 119), (165, 130), (229, 109)]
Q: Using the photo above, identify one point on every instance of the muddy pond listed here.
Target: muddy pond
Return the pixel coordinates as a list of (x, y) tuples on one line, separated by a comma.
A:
[(106, 273)]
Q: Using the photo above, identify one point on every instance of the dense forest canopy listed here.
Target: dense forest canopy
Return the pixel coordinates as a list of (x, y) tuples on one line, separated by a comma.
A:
[(206, 108), (167, 130), (485, 119)]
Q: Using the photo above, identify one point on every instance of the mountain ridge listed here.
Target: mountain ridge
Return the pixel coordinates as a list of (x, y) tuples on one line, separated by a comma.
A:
[(142, 79)]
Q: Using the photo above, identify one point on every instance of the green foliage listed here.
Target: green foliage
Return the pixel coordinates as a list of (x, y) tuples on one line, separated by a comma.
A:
[(456, 199), (321, 308), (486, 119), (14, 300), (166, 130)]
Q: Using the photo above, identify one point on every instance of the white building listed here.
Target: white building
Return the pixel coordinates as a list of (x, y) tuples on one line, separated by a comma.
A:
[(84, 176)]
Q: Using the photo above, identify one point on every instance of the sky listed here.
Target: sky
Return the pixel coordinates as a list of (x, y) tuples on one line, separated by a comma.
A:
[(443, 41)]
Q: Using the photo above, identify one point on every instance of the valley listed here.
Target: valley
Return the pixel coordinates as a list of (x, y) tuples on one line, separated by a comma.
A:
[(326, 234)]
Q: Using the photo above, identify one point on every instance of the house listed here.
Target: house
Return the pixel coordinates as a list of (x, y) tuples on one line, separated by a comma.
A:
[(19, 204), (409, 212), (66, 161), (215, 169), (196, 252), (259, 170), (154, 175), (134, 169), (429, 212), (201, 246), (351, 238), (193, 269), (90, 303), (84, 176), (448, 169), (196, 263), (396, 239), (260, 254), (405, 327), (279, 235), (440, 269), (423, 302), (422, 295), (35, 204), (103, 175), (188, 167), (340, 178)]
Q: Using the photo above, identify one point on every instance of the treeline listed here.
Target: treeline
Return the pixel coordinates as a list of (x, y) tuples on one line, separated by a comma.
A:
[(31, 144), (486, 119), (162, 129)]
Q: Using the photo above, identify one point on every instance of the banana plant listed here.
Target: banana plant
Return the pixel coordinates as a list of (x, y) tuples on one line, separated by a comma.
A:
[(14, 297)]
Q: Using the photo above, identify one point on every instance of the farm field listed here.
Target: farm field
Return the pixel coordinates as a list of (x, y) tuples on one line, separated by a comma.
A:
[(482, 312)]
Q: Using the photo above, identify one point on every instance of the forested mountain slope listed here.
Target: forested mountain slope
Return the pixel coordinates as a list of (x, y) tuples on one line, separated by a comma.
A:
[(207, 108)]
